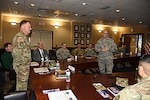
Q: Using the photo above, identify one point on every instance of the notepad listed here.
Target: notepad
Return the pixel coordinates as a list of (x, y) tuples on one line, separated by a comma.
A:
[(62, 95)]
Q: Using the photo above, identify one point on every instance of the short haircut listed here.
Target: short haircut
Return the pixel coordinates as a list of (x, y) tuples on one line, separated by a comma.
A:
[(145, 58), (6, 45), (24, 22)]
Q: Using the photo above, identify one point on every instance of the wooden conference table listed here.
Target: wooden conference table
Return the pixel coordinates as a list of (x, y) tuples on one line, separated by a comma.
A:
[(81, 84), (121, 63)]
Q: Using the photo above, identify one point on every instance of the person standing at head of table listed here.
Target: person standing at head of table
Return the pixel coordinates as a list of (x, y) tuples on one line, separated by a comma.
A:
[(22, 55), (105, 47)]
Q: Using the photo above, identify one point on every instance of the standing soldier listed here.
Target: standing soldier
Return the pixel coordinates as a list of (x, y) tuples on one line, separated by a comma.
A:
[(22, 55), (105, 46)]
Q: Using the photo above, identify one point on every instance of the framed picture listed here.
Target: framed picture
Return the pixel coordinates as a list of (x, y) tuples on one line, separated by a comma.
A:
[(81, 35), (82, 28), (76, 34), (87, 35), (87, 41), (82, 42), (75, 41), (88, 28), (76, 28)]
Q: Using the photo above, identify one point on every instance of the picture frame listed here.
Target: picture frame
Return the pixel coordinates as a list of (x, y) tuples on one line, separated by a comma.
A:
[(76, 28), (82, 35), (88, 29), (76, 34), (82, 28), (82, 42), (87, 42), (75, 41), (88, 35)]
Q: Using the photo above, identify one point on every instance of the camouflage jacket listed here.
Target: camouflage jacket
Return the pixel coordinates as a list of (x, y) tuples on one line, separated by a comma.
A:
[(90, 52), (78, 52), (139, 91), (21, 49), (63, 53), (103, 43)]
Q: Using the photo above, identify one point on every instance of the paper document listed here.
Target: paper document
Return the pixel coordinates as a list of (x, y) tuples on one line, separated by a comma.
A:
[(62, 95), (34, 64), (41, 70)]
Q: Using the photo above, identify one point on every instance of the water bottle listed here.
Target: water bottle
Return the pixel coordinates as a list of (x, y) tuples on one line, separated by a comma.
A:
[(57, 65), (76, 58), (68, 75)]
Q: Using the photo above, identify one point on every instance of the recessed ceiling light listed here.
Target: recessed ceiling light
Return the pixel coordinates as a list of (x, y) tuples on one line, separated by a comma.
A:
[(117, 11), (122, 18), (16, 2), (140, 22), (32, 4), (84, 3), (76, 14)]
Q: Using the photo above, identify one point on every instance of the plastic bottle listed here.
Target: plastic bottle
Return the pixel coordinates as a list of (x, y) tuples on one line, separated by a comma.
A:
[(76, 58), (68, 79), (57, 65)]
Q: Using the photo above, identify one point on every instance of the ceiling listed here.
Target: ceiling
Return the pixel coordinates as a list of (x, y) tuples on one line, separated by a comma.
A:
[(95, 11)]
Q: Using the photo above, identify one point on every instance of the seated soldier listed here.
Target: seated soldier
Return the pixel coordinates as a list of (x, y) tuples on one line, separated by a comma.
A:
[(89, 51), (63, 52), (78, 51)]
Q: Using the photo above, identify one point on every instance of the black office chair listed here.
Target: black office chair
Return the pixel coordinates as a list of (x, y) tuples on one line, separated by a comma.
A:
[(20, 95)]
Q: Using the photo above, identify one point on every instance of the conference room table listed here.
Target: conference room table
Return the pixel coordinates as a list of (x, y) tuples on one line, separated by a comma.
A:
[(121, 63), (80, 84)]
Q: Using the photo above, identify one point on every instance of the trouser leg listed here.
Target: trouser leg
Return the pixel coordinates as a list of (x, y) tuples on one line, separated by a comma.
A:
[(109, 66), (101, 65)]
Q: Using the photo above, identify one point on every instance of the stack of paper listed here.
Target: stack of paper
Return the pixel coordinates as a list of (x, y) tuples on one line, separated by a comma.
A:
[(62, 95), (34, 64), (41, 70)]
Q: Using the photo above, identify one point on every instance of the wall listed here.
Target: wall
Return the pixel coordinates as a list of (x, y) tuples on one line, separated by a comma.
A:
[(65, 32)]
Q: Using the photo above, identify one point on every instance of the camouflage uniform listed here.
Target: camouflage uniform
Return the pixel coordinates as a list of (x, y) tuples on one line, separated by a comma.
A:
[(139, 91), (21, 60), (63, 53), (90, 52), (78, 52), (105, 58)]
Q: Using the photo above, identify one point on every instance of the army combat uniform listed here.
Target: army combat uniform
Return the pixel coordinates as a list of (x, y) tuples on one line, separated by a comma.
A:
[(63, 53), (105, 58), (21, 60), (90, 52), (139, 91), (78, 52)]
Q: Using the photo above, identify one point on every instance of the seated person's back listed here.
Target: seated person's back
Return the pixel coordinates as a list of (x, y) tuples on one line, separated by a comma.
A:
[(40, 54), (140, 90)]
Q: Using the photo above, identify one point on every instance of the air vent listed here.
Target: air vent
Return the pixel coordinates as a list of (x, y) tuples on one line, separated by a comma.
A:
[(105, 8)]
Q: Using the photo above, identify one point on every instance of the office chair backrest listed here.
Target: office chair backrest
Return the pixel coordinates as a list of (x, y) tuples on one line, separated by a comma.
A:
[(17, 96)]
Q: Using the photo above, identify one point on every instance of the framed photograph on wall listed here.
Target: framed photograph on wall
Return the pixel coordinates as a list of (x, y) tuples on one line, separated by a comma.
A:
[(82, 28), (87, 41), (87, 35), (82, 35), (76, 28), (82, 42), (76, 34), (88, 28), (75, 41)]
